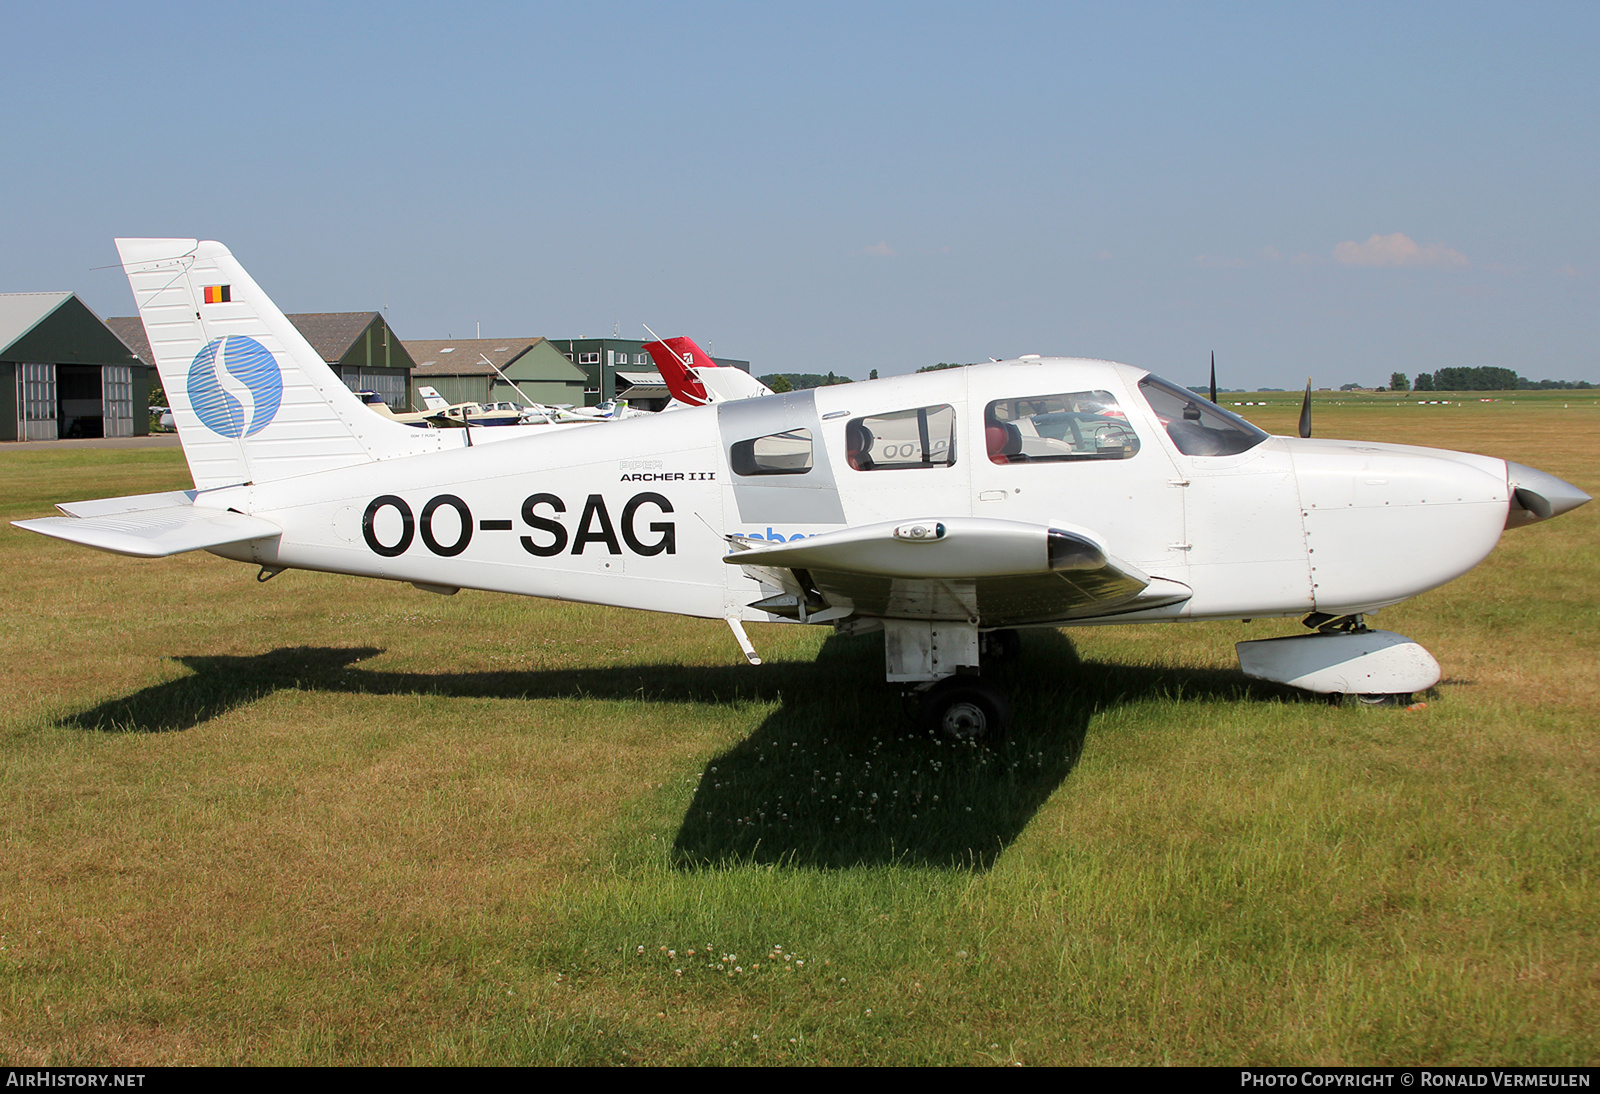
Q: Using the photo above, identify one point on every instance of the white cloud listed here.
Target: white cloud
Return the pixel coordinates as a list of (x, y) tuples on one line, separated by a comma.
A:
[(880, 249), (1397, 250)]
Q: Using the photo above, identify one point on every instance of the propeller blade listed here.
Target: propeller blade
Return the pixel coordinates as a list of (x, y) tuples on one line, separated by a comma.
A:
[(1213, 376), (1305, 411)]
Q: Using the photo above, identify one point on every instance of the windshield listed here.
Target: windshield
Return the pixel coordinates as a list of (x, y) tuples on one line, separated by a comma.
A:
[(1197, 426)]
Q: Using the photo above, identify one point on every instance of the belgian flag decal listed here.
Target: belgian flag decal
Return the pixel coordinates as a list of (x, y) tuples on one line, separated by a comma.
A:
[(218, 294)]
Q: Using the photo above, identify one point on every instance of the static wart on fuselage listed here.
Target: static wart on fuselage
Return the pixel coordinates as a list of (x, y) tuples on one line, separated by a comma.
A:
[(945, 509)]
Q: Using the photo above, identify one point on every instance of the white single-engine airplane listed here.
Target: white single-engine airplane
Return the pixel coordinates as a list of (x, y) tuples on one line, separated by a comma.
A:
[(946, 509)]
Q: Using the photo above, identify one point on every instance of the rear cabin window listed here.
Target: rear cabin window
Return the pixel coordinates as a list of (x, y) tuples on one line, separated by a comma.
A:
[(787, 453), (1197, 426), (924, 437), (1075, 425)]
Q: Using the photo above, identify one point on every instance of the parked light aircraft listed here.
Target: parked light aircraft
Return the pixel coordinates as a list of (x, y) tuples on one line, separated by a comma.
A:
[(694, 378), (508, 420), (441, 412), (945, 509)]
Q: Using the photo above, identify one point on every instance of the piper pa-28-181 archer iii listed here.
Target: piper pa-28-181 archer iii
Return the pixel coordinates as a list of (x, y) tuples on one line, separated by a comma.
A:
[(946, 509)]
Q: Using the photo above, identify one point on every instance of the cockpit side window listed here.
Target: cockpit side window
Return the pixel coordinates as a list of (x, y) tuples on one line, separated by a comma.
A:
[(1197, 426), (924, 437), (1076, 425), (787, 453)]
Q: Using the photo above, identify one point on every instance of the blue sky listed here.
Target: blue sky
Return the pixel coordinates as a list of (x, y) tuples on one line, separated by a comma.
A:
[(1338, 191)]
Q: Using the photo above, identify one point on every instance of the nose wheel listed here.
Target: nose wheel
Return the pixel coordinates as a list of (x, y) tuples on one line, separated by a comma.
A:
[(964, 710), (1395, 699)]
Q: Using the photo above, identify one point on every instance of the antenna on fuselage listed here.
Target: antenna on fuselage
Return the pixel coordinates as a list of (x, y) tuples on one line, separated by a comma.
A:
[(1213, 376), (1305, 411)]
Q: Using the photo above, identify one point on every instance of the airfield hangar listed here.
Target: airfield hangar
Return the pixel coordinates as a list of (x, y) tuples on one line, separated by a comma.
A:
[(65, 373), (621, 368), (357, 345), (482, 370)]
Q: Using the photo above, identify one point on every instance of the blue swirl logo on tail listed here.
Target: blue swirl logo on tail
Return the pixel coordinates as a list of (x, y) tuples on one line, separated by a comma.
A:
[(235, 386)]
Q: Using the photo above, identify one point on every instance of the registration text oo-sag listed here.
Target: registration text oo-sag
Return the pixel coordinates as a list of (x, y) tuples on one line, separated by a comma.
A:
[(946, 509)]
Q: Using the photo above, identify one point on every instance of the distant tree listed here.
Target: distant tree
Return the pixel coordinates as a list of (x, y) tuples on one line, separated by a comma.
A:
[(800, 381), (873, 375), (1349, 387), (1424, 382), (1483, 378), (780, 384), (941, 366), (1398, 381)]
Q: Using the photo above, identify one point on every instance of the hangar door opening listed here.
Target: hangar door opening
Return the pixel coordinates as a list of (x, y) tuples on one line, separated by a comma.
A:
[(80, 412), (55, 401)]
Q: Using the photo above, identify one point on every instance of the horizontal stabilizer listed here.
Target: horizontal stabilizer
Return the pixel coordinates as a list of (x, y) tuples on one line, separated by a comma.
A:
[(153, 532), (728, 384)]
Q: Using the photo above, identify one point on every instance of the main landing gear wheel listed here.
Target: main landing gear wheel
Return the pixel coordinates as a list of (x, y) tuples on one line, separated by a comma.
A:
[(964, 709)]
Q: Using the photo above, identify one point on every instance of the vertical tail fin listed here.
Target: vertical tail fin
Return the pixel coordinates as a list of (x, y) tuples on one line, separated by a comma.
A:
[(251, 399), (694, 378), (431, 399), (672, 361)]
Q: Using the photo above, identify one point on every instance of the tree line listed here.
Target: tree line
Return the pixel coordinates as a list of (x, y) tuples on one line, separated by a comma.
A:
[(1481, 378)]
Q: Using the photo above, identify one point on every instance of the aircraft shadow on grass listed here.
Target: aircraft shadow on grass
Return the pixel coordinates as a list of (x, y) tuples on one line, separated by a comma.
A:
[(835, 777)]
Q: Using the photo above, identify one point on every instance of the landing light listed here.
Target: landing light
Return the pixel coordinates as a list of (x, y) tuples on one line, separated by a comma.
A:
[(920, 532)]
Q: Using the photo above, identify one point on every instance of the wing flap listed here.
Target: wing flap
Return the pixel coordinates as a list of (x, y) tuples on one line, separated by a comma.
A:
[(153, 532), (1015, 601)]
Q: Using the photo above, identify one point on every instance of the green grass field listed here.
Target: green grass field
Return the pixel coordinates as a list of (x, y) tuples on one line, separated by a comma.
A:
[(322, 820)]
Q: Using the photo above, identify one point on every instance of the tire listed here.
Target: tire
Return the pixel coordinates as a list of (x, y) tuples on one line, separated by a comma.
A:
[(964, 710), (1399, 699)]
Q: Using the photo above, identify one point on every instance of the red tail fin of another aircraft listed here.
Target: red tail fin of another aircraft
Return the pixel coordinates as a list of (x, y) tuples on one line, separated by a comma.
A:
[(673, 356), (695, 379)]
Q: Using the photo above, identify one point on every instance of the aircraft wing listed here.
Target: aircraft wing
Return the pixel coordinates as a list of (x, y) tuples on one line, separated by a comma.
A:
[(993, 572), (150, 525)]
